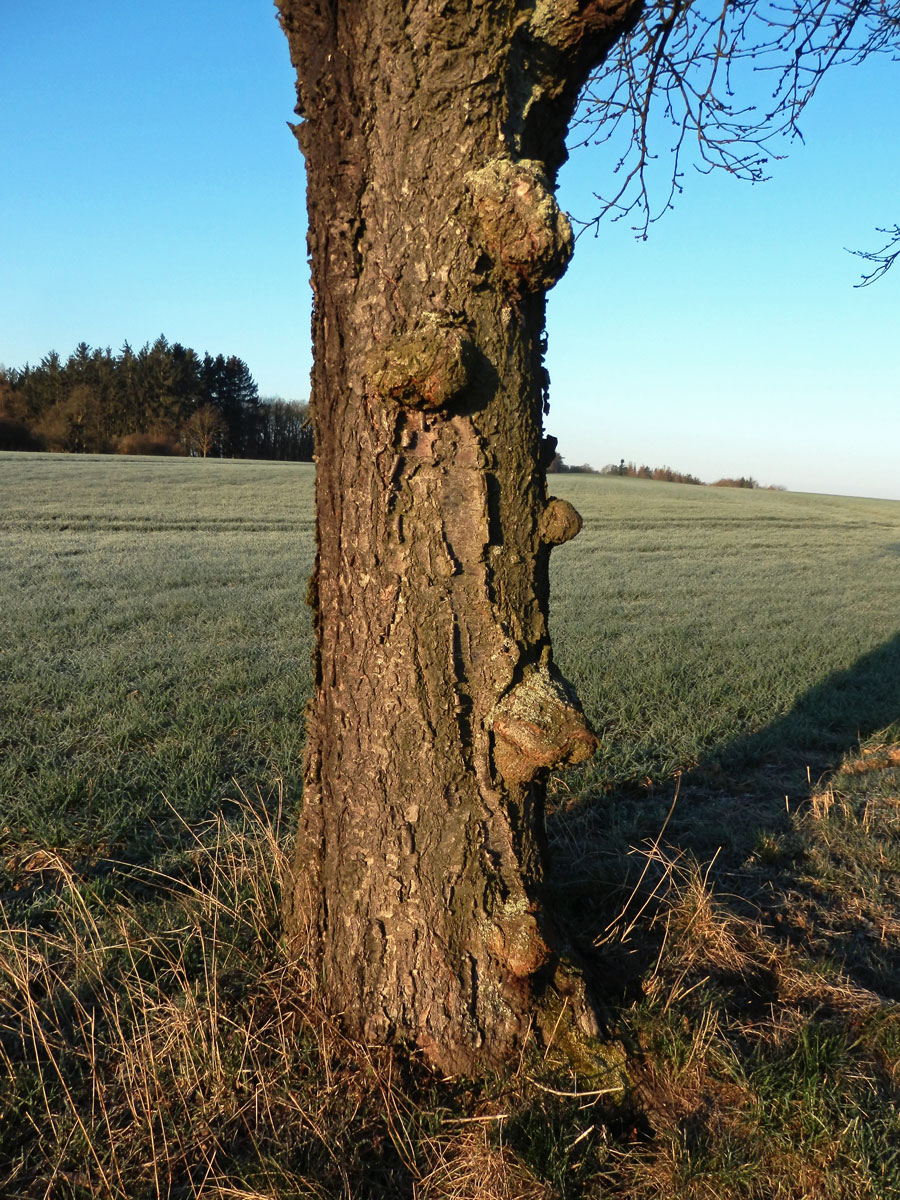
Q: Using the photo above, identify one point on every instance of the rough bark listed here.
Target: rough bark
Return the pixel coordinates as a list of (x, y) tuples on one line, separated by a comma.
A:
[(432, 131)]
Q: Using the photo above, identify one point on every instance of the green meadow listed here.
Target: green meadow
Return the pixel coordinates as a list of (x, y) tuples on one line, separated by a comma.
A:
[(731, 854), (153, 640)]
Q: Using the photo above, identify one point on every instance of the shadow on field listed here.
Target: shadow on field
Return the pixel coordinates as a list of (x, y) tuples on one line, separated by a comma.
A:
[(831, 718), (756, 780), (794, 829)]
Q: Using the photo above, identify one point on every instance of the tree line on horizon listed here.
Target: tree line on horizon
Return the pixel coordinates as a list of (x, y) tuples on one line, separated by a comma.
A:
[(161, 399), (630, 470)]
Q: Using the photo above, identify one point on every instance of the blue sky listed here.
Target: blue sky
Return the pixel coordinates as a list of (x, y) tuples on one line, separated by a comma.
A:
[(150, 185)]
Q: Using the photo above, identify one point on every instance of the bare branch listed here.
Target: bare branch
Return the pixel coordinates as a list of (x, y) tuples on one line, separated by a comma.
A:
[(674, 83), (884, 258)]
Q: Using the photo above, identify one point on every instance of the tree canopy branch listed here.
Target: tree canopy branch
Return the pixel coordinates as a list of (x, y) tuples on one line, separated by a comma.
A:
[(675, 82)]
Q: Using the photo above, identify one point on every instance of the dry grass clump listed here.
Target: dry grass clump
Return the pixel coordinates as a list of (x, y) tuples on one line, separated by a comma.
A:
[(874, 757), (167, 1049), (768, 1027), (467, 1166), (155, 1042), (761, 1073), (135, 1052)]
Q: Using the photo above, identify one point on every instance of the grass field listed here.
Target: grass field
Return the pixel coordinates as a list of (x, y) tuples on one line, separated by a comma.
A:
[(739, 652)]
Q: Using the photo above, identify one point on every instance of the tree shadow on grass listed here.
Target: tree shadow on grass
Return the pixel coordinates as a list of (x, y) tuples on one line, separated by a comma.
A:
[(759, 779), (833, 717), (780, 839)]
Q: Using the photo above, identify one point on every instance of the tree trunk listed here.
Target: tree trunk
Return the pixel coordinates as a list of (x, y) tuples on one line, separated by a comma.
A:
[(432, 133)]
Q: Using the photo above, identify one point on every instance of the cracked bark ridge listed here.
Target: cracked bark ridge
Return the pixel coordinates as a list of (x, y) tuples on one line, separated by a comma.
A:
[(569, 24), (429, 368), (525, 232)]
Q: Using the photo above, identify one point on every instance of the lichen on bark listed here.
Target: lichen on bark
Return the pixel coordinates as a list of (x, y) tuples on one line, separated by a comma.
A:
[(538, 725), (526, 233), (429, 367)]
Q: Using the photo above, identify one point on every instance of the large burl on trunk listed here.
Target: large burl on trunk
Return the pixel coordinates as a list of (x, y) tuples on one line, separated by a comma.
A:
[(432, 131)]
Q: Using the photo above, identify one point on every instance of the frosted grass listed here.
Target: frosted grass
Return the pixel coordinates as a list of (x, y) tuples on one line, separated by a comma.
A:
[(696, 621), (154, 642)]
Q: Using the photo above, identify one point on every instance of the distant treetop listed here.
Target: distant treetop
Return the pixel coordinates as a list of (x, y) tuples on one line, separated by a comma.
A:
[(629, 470), (162, 399)]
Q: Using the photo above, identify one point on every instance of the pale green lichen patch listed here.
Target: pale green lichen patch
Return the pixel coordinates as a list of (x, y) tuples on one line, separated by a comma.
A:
[(548, 15), (428, 368), (513, 935), (572, 1036), (525, 232), (564, 23), (538, 724)]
